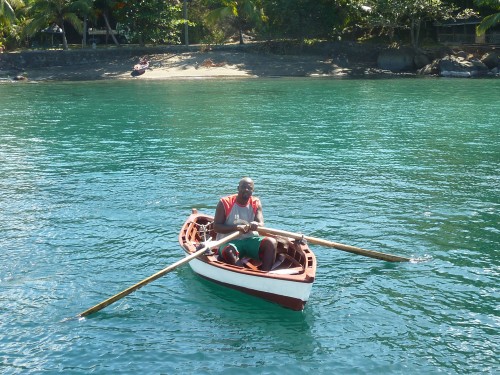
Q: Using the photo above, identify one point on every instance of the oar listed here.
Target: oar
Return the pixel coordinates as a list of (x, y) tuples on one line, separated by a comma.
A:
[(157, 275), (339, 246)]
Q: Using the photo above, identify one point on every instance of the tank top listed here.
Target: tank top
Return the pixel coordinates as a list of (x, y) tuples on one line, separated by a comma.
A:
[(237, 214)]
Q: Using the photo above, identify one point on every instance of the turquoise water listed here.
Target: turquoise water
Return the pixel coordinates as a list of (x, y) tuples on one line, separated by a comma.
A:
[(96, 180)]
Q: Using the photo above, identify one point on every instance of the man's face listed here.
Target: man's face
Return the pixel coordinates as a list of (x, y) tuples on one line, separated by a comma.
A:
[(245, 190)]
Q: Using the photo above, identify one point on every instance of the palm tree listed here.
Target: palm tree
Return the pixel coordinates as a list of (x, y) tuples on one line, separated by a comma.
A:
[(103, 7), (7, 10), (240, 12), (49, 12), (8, 18), (488, 21)]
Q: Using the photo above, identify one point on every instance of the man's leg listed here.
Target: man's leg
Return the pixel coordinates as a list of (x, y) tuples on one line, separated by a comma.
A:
[(267, 253), (229, 254)]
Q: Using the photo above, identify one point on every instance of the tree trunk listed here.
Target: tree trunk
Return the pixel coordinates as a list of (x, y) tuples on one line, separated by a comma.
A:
[(65, 41), (417, 36), (84, 40), (110, 31), (415, 32), (390, 33), (186, 26), (240, 31), (412, 32)]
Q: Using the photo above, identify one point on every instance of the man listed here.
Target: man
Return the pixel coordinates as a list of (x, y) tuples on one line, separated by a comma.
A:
[(243, 212)]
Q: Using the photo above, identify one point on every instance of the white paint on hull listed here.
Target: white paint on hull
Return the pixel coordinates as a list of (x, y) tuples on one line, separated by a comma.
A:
[(288, 288)]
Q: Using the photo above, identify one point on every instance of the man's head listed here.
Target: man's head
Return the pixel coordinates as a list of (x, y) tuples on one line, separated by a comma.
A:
[(245, 189)]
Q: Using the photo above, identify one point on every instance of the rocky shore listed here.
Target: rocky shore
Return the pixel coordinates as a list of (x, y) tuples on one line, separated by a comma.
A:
[(343, 60), (458, 63)]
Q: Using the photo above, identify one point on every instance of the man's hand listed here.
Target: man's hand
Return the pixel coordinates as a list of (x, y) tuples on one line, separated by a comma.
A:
[(243, 228), (254, 225)]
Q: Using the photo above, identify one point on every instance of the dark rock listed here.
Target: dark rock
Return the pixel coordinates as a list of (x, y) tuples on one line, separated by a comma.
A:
[(491, 59), (396, 60), (456, 66), (452, 66), (461, 54), (420, 60)]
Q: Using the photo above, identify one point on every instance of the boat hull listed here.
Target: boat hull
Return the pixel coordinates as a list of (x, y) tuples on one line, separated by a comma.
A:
[(140, 69), (288, 285), (286, 293)]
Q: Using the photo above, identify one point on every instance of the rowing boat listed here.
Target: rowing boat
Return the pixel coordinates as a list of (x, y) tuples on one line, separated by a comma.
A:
[(288, 283), (140, 68)]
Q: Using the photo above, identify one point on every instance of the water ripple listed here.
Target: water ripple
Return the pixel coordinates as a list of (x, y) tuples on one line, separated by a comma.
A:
[(95, 184)]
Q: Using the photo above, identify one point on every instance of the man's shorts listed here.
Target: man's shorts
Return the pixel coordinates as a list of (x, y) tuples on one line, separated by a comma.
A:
[(245, 247)]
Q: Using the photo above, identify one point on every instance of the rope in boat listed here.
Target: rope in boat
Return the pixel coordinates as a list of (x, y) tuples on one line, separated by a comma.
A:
[(204, 231)]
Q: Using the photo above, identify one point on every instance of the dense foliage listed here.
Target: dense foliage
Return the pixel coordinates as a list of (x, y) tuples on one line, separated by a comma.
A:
[(153, 21), (217, 21)]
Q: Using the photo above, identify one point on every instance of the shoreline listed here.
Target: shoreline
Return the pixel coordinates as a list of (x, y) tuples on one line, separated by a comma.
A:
[(209, 65), (341, 60), (180, 64)]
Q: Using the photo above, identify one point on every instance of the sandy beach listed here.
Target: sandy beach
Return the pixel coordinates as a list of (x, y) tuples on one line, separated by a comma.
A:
[(191, 65)]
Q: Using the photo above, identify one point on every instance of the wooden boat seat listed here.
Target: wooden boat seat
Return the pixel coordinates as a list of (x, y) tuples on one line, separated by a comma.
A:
[(253, 264), (284, 265), (288, 271), (291, 261), (286, 262), (283, 262)]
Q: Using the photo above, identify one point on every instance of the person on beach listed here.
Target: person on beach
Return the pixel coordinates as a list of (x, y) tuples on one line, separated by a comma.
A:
[(243, 212)]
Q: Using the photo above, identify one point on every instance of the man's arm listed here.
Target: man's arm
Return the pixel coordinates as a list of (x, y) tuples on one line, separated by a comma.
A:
[(259, 218)]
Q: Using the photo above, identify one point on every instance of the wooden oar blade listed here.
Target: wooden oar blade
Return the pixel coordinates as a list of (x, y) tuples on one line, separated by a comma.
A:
[(336, 245), (139, 285), (157, 275)]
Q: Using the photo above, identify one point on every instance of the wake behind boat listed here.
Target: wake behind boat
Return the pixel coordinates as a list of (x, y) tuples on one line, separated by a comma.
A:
[(288, 284)]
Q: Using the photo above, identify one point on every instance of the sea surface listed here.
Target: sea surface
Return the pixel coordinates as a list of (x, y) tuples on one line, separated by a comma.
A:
[(96, 179)]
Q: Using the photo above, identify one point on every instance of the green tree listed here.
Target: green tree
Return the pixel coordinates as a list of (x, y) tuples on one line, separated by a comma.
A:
[(8, 10), (194, 17), (8, 19), (155, 21), (44, 13), (301, 19), (103, 8), (242, 15), (390, 15)]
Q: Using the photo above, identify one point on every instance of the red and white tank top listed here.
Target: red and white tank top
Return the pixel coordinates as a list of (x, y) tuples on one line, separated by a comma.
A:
[(237, 214)]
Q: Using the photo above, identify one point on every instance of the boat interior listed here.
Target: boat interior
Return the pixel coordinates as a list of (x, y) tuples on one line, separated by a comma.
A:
[(290, 258)]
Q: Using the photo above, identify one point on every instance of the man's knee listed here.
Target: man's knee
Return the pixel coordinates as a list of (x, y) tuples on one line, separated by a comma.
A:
[(229, 254), (267, 253), (267, 247), (269, 243)]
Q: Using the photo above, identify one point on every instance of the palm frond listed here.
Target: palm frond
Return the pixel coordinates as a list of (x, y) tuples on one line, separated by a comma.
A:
[(75, 21), (7, 11), (34, 25), (487, 22)]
